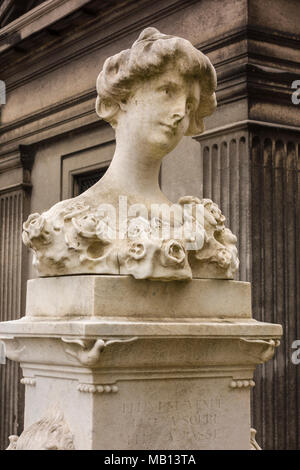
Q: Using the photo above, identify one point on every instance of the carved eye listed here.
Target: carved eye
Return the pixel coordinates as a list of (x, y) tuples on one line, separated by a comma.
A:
[(166, 90), (189, 105)]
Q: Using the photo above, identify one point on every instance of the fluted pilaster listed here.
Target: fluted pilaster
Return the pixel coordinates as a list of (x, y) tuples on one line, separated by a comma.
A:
[(253, 174), (226, 180), (275, 268), (14, 209)]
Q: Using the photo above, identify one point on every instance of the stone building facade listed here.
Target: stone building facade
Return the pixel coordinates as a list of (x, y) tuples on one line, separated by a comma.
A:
[(54, 146)]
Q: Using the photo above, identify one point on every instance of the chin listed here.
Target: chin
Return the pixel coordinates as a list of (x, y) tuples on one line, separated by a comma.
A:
[(165, 144)]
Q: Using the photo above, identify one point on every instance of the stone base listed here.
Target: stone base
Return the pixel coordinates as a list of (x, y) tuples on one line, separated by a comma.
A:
[(140, 383), (123, 296)]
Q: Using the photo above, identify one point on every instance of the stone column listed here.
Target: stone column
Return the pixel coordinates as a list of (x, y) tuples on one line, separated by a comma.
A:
[(275, 272), (111, 362), (251, 169)]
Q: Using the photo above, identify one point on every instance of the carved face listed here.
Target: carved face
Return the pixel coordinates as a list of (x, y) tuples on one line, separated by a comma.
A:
[(157, 114)]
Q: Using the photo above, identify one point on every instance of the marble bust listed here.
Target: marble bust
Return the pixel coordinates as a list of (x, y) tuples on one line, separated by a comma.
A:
[(152, 94)]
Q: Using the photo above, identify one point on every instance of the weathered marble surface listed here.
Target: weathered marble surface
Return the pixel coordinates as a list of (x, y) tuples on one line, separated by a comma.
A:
[(152, 94), (148, 382), (103, 296), (125, 364)]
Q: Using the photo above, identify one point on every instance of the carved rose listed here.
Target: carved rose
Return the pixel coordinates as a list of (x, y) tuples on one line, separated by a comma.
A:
[(173, 253), (189, 200), (194, 234), (223, 258), (193, 222), (137, 250), (34, 227), (89, 226), (86, 225), (213, 214), (138, 228), (156, 223), (74, 209), (227, 237), (104, 231), (161, 228)]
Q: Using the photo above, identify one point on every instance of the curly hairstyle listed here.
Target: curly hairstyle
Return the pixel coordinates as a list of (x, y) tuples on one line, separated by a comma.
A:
[(148, 57)]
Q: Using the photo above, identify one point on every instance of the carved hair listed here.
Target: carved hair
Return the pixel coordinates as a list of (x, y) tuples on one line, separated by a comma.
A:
[(148, 57), (51, 432)]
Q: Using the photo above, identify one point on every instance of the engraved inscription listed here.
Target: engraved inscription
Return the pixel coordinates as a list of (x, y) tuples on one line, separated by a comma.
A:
[(173, 420), (132, 408)]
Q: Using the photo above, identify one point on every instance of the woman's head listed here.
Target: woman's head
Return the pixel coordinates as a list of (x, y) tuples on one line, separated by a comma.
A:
[(149, 57)]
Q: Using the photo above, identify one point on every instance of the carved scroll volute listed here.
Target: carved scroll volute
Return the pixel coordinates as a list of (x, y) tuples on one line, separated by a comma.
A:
[(259, 350), (13, 349), (88, 352)]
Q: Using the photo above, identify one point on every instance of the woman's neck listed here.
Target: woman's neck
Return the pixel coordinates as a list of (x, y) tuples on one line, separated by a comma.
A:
[(133, 169)]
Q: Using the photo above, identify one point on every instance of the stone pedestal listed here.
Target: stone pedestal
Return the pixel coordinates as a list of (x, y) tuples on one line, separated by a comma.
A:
[(116, 363)]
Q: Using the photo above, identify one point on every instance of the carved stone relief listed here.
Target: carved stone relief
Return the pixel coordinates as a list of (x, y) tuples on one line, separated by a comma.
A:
[(51, 432), (88, 352), (259, 349), (88, 388), (253, 444), (239, 384), (13, 350)]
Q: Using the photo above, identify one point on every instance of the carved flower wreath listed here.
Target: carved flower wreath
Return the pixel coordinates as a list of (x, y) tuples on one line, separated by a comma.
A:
[(173, 253), (35, 228)]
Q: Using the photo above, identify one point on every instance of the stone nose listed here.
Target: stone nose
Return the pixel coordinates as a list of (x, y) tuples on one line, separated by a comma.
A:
[(177, 117), (179, 110)]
